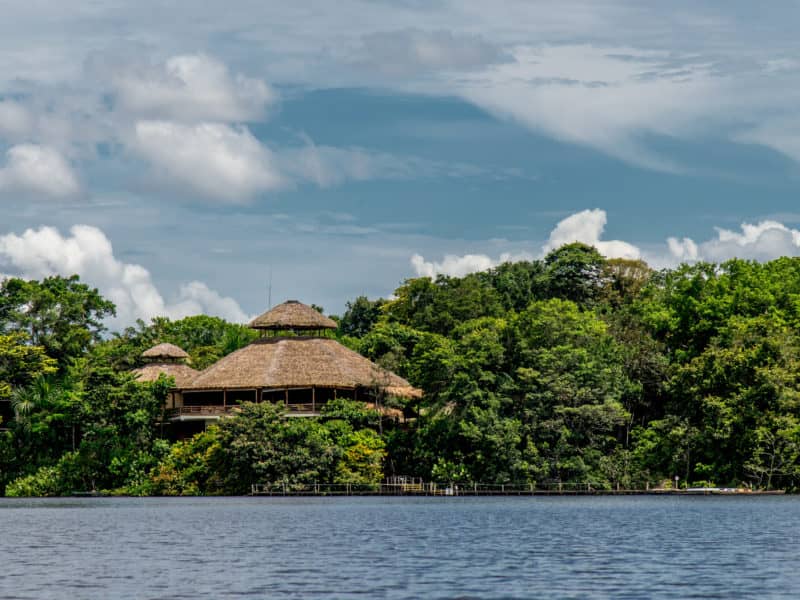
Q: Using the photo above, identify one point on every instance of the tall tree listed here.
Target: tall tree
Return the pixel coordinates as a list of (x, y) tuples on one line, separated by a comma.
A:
[(60, 314)]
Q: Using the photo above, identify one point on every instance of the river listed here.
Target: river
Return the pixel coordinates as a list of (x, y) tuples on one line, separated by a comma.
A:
[(554, 547)]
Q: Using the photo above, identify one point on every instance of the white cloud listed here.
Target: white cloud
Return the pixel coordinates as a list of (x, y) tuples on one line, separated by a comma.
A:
[(196, 298), (228, 163), (608, 99), (327, 166), (587, 227), (35, 169), (455, 266), (220, 161), (685, 249), (87, 252), (410, 51), (192, 87), (15, 119), (781, 134), (765, 240)]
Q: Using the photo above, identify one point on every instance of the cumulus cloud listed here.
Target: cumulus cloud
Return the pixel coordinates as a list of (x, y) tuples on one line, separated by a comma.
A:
[(453, 265), (228, 163), (87, 252), (587, 227), (410, 51), (215, 160), (193, 87), (763, 241), (35, 169)]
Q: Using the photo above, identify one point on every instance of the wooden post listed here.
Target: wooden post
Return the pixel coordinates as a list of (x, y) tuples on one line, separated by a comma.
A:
[(313, 398), (224, 399), (286, 397)]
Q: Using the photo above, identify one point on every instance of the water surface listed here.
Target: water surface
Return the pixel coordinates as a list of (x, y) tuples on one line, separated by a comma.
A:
[(591, 547)]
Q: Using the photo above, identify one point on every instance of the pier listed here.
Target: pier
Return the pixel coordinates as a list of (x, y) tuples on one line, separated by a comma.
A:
[(415, 487)]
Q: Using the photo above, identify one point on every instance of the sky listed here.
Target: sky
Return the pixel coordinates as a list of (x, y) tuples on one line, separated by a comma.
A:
[(180, 156)]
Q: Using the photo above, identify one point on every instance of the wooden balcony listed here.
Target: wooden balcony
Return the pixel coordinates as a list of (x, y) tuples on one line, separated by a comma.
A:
[(198, 413), (215, 411)]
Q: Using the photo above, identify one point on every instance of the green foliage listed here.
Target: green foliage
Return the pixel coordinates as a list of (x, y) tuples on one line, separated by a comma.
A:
[(518, 283), (438, 306), (21, 363), (60, 314), (573, 368), (574, 272), (188, 468), (206, 339), (260, 445), (47, 481), (360, 316)]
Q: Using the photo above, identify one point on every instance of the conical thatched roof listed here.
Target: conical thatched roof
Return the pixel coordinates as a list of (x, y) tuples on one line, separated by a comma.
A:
[(165, 351), (298, 362), (292, 315), (183, 375)]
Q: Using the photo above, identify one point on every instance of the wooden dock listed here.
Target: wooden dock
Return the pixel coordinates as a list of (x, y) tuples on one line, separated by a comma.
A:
[(420, 488)]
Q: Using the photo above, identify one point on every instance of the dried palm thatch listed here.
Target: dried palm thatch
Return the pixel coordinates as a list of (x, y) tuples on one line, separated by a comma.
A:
[(183, 375), (276, 363), (162, 351), (393, 413), (292, 315)]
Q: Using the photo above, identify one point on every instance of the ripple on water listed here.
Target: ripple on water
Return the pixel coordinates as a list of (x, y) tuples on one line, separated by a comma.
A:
[(400, 548)]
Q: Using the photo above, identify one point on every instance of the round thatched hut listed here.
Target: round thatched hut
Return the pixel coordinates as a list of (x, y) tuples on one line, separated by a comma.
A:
[(166, 359), (169, 360), (303, 371)]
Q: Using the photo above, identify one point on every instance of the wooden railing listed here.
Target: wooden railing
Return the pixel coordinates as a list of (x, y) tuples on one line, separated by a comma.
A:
[(305, 407), (217, 410), (198, 411)]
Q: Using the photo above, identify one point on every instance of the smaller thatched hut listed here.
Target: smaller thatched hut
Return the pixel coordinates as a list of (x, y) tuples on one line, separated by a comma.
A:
[(166, 353), (169, 360)]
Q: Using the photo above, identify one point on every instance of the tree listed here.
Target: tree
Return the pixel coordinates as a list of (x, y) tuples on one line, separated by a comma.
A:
[(624, 280), (568, 388), (59, 314), (261, 446), (360, 316), (574, 272), (21, 363), (517, 283), (439, 306)]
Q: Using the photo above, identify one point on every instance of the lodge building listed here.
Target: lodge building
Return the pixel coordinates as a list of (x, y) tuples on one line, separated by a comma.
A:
[(293, 363)]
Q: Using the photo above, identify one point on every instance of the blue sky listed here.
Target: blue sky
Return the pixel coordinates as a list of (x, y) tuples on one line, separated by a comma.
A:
[(174, 155)]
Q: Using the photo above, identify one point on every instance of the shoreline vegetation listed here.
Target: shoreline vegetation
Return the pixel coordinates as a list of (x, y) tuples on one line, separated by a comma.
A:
[(570, 371)]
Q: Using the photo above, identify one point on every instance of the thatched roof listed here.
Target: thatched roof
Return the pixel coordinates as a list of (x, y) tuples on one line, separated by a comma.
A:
[(183, 375), (165, 351), (298, 362), (292, 315)]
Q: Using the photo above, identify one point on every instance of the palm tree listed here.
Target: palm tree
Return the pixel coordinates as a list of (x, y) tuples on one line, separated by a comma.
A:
[(40, 394)]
